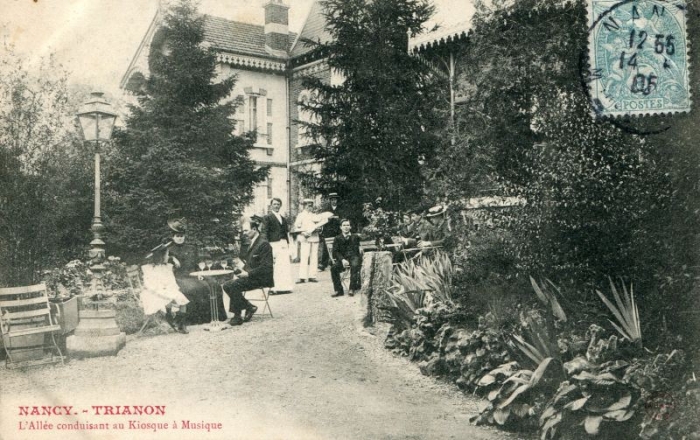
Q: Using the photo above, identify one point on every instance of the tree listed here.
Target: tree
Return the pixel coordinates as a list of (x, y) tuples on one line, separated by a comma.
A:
[(371, 132), (45, 174), (602, 197), (178, 155)]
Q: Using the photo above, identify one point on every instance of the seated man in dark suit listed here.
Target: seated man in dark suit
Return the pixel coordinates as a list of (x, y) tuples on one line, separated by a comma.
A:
[(257, 272), (346, 252)]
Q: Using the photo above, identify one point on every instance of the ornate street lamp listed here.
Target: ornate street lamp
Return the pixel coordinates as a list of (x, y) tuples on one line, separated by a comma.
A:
[(97, 120), (97, 333)]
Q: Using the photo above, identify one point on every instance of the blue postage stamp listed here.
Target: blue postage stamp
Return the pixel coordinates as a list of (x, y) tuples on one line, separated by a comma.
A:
[(638, 57)]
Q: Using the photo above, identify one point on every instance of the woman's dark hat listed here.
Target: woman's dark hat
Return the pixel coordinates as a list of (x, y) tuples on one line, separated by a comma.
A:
[(177, 225)]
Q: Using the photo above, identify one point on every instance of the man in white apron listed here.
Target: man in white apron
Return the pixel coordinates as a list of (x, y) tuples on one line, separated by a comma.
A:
[(275, 230)]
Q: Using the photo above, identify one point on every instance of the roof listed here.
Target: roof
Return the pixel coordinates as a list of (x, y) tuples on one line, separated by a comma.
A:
[(238, 37), (447, 28), (438, 36), (314, 30)]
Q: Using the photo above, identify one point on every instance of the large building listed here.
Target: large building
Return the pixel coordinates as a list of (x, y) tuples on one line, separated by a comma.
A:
[(270, 63)]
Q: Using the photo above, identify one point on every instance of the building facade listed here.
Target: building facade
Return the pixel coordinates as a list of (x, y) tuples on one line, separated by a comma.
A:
[(270, 63)]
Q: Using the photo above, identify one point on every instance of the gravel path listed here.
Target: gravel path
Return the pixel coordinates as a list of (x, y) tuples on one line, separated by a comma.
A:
[(311, 372)]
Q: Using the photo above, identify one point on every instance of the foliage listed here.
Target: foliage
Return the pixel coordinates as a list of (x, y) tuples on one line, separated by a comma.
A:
[(403, 305), (179, 156), (431, 274), (593, 394), (381, 223), (510, 400), (547, 297), (579, 386), (45, 174), (486, 281), (600, 390), (539, 343), (469, 355), (75, 278), (603, 197), (626, 313), (414, 335), (673, 415), (129, 315), (371, 131)]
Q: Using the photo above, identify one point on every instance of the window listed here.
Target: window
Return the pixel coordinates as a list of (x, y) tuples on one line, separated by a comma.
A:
[(240, 127), (269, 107), (241, 104), (253, 117), (303, 116), (306, 116), (269, 133), (269, 187)]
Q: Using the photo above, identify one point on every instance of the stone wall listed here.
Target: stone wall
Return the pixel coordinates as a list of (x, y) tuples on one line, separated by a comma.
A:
[(376, 279)]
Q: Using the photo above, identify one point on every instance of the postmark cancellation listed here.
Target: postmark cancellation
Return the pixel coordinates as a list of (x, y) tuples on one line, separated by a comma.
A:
[(638, 57)]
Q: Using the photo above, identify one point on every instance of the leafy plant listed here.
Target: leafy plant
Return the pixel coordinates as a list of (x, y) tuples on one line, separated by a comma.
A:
[(619, 391), (381, 223), (402, 306), (586, 400), (538, 344), (432, 274), (509, 402), (626, 313), (469, 355), (75, 278), (548, 298), (418, 331)]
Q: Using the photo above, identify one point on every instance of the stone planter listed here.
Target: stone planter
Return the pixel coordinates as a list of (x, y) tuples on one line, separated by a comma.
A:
[(97, 333), (67, 313)]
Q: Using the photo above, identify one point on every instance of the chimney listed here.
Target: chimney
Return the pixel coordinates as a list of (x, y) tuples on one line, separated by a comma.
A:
[(276, 28)]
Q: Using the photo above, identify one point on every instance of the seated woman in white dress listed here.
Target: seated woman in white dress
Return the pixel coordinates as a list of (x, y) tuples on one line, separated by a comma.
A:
[(161, 292)]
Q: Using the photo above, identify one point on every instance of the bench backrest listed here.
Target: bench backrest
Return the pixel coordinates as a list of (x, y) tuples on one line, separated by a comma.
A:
[(25, 305)]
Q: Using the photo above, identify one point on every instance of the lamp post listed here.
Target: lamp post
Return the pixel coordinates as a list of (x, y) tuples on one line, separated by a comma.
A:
[(97, 333), (97, 120)]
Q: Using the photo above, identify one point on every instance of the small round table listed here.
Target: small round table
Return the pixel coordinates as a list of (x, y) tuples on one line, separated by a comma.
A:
[(215, 325)]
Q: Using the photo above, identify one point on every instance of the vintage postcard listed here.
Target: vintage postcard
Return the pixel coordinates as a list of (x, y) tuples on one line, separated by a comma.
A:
[(349, 219)]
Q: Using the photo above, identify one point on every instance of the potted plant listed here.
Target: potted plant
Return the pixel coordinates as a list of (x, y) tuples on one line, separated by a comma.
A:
[(65, 284)]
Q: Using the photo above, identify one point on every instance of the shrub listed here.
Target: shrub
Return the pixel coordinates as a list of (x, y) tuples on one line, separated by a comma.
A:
[(129, 316), (75, 278)]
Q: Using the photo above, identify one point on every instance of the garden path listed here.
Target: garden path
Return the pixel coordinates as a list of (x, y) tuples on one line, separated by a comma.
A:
[(311, 372)]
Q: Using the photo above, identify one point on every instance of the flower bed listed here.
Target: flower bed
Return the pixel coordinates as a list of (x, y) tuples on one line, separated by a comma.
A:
[(550, 375)]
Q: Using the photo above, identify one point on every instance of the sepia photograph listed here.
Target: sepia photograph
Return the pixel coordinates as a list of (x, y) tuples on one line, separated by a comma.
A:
[(349, 220)]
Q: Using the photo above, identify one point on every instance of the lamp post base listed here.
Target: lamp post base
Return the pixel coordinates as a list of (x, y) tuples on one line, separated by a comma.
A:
[(97, 335)]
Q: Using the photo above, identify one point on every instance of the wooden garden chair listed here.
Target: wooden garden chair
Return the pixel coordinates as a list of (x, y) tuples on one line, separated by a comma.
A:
[(28, 326)]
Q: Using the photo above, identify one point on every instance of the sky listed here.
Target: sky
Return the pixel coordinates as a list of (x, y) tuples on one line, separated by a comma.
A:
[(96, 39)]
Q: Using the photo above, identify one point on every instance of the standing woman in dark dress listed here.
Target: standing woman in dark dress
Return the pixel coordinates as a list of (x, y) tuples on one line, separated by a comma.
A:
[(185, 258)]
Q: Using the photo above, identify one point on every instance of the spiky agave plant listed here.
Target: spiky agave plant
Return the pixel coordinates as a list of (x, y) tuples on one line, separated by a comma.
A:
[(625, 311), (431, 274)]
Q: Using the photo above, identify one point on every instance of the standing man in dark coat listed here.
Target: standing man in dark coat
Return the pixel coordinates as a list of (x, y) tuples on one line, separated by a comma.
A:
[(330, 229), (275, 230), (257, 272), (346, 252)]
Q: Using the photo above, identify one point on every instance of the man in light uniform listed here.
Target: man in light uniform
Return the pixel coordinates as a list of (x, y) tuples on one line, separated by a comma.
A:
[(308, 226)]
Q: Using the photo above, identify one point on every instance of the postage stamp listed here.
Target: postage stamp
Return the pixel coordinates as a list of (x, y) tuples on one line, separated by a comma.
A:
[(638, 57)]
